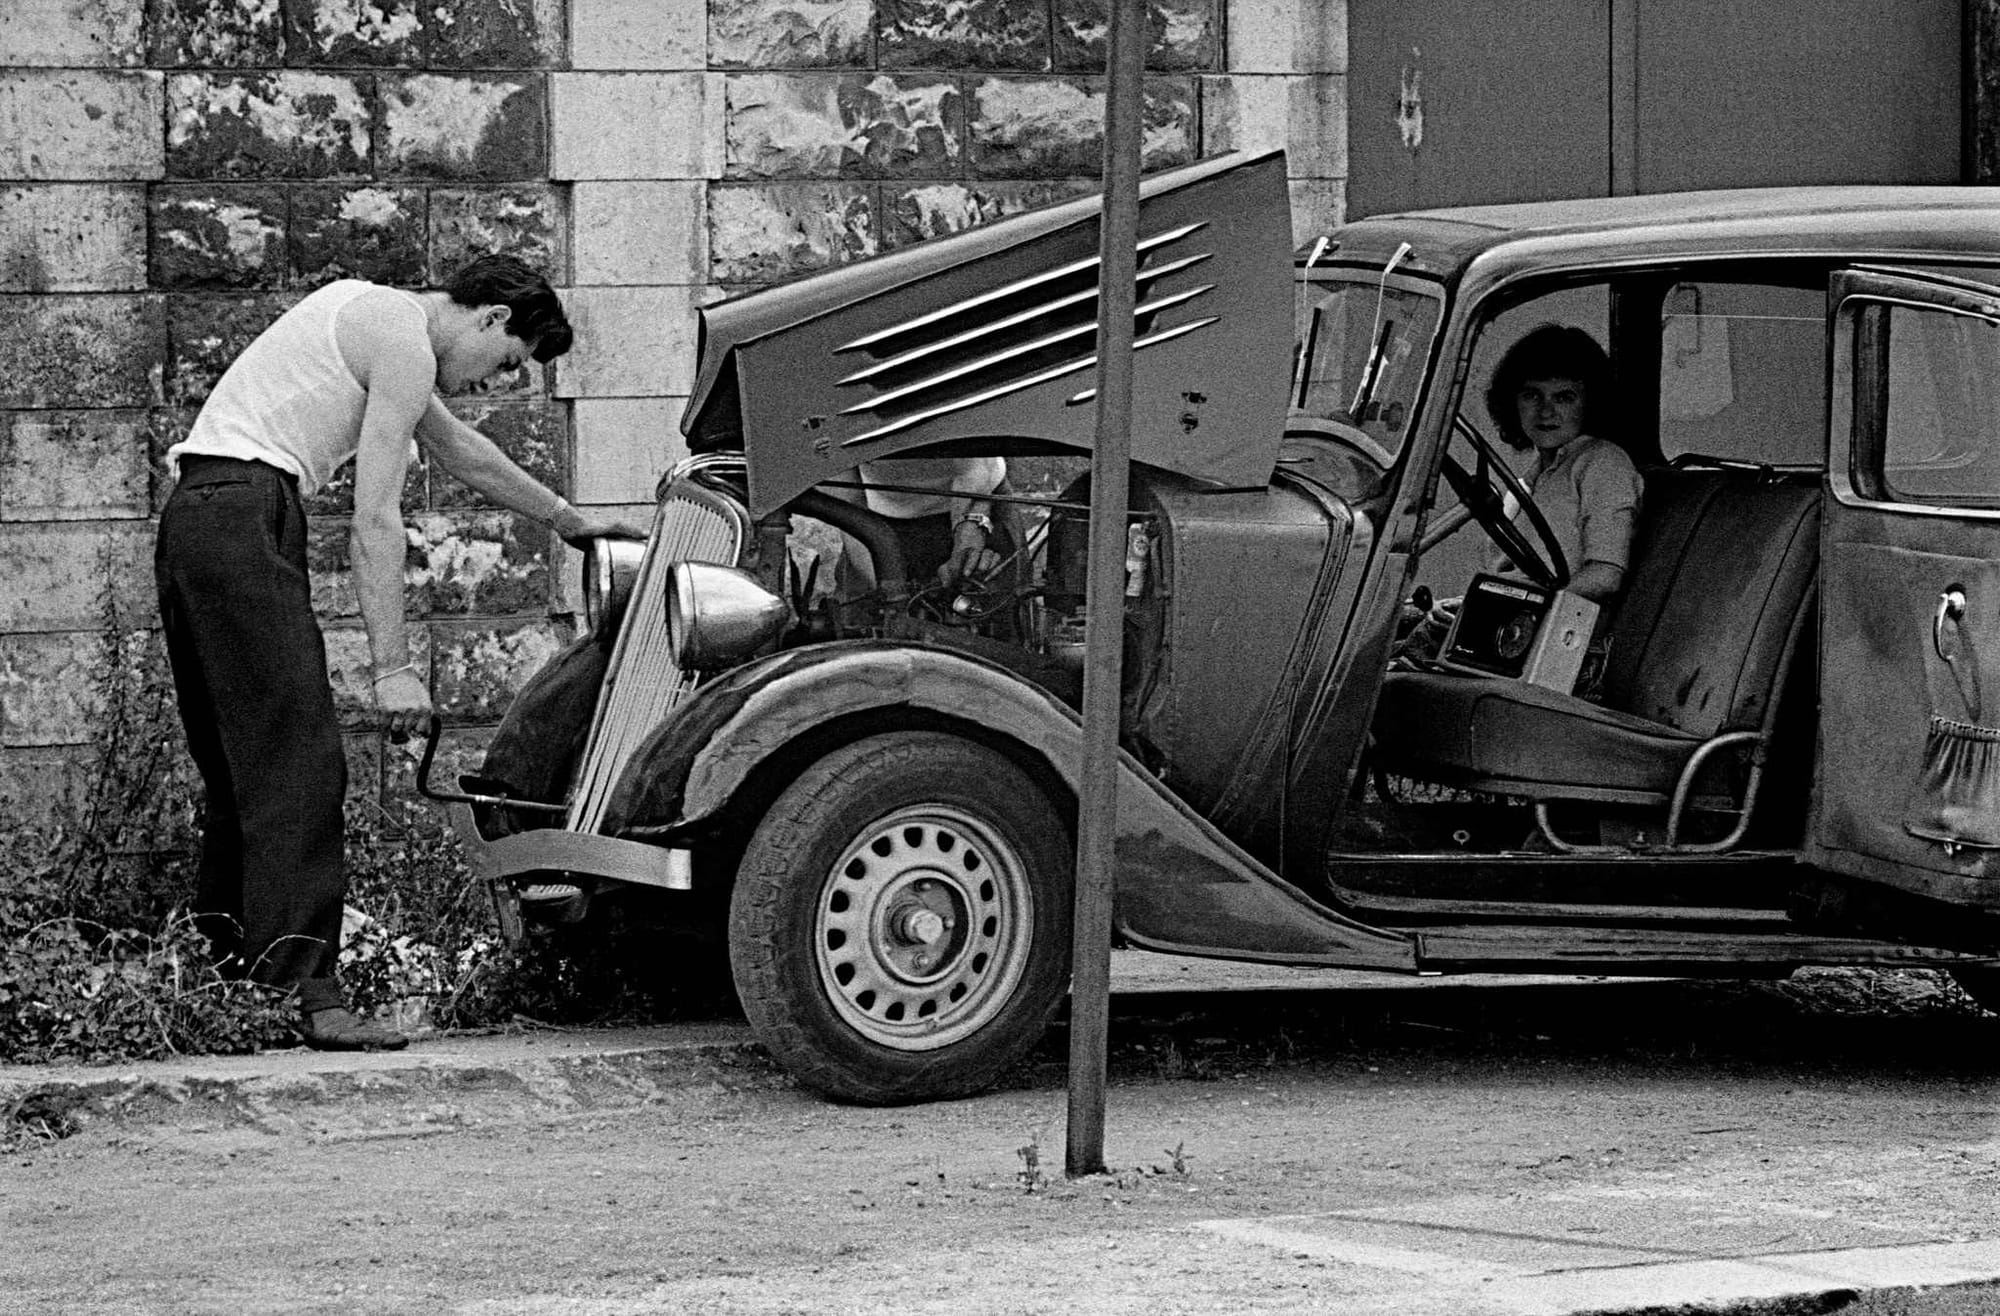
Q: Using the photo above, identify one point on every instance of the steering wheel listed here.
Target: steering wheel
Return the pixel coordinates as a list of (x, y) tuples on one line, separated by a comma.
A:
[(1319, 427), (1485, 495)]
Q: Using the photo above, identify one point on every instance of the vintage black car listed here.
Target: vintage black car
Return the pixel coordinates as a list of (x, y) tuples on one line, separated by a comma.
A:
[(1789, 761)]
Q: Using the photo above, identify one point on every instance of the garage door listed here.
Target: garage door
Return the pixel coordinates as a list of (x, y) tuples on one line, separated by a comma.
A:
[(1456, 102)]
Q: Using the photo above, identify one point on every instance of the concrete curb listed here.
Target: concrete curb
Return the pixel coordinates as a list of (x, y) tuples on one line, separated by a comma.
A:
[(436, 1085), (1523, 1274), (450, 1082)]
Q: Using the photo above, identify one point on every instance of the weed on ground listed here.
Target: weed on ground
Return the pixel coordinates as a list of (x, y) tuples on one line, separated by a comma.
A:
[(101, 959)]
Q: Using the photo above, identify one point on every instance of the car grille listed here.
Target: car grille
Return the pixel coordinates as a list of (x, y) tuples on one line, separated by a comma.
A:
[(643, 683)]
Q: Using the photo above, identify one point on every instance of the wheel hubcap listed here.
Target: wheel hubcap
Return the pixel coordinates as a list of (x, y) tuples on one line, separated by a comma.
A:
[(924, 928)]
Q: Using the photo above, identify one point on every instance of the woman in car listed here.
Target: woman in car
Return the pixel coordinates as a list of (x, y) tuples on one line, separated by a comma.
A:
[(1548, 394)]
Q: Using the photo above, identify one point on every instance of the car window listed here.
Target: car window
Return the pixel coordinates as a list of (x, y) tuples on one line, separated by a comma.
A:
[(1362, 349), (1940, 417), (1742, 373)]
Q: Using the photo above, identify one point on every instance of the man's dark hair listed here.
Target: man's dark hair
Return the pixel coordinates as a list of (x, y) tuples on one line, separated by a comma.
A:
[(535, 315), (1554, 351)]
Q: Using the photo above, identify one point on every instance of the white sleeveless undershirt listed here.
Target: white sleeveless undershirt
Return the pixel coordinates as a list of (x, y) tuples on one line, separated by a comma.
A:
[(290, 400), (951, 477)]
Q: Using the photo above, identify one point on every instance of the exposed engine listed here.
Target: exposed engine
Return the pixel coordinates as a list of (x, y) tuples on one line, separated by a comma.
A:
[(1025, 614)]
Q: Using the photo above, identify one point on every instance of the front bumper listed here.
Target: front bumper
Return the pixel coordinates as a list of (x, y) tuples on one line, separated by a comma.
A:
[(546, 851), (556, 853)]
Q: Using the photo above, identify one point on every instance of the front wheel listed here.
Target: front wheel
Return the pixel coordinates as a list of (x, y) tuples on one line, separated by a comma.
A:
[(900, 927)]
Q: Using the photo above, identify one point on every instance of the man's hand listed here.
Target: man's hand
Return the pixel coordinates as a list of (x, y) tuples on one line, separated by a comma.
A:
[(578, 528), (971, 560), (402, 702)]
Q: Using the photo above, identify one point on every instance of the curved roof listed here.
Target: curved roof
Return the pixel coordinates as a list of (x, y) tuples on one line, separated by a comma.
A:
[(1940, 223)]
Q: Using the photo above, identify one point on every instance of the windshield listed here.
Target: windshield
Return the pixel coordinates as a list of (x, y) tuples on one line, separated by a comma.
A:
[(1362, 348)]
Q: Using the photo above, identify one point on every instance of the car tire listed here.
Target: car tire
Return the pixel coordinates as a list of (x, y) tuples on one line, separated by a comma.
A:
[(900, 925)]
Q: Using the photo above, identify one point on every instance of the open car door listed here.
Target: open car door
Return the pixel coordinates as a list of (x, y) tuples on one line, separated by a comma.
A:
[(1908, 784)]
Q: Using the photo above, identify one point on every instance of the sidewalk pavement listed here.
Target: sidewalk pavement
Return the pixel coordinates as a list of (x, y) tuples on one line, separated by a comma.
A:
[(1651, 1264)]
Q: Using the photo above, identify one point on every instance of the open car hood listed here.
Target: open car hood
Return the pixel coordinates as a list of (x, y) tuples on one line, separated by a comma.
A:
[(986, 340)]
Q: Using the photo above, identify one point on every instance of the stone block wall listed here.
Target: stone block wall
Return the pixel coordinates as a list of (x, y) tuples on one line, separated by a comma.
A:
[(173, 173)]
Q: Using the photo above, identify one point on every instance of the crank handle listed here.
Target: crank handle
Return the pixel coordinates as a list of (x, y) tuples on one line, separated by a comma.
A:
[(429, 792)]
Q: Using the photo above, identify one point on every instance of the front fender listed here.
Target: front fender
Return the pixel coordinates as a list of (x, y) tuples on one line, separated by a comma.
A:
[(1181, 884)]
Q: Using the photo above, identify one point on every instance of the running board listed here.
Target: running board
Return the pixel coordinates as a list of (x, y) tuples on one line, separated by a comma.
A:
[(1743, 888), (1392, 909), (1473, 948)]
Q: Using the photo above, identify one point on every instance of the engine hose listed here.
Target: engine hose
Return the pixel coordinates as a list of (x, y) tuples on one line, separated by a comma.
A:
[(873, 529)]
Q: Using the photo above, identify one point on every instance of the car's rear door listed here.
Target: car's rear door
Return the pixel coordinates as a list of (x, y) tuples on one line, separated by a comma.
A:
[(1908, 788)]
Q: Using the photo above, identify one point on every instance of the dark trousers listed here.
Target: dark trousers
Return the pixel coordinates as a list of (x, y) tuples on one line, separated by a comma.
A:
[(249, 668)]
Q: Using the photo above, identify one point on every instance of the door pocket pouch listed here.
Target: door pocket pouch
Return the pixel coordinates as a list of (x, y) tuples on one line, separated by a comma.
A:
[(1957, 797)]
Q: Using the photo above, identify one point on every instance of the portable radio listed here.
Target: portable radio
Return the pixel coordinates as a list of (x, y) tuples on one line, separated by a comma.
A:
[(1518, 629)]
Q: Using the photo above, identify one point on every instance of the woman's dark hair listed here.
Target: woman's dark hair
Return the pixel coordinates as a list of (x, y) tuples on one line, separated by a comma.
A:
[(534, 314), (1553, 351)]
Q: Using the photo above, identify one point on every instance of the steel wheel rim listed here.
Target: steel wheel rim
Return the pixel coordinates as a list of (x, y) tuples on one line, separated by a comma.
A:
[(922, 929)]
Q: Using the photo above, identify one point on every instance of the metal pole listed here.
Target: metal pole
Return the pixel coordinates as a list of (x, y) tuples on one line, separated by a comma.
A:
[(1104, 599)]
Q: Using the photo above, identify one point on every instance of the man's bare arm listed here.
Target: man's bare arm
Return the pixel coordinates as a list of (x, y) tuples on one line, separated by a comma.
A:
[(398, 381), (971, 518), (478, 462), (396, 393)]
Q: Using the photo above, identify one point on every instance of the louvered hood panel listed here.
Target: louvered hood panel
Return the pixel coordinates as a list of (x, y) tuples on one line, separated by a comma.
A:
[(990, 335)]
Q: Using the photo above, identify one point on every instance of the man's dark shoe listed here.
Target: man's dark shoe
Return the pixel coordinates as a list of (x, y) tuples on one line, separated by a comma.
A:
[(340, 1029)]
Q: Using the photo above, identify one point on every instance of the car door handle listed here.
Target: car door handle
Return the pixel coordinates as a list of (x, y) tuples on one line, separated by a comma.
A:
[(1950, 607)]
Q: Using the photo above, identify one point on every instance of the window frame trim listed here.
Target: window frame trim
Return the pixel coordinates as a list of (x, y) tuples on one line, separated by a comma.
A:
[(1857, 444)]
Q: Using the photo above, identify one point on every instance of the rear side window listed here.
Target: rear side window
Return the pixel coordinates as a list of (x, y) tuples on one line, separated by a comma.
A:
[(1939, 404), (1743, 373)]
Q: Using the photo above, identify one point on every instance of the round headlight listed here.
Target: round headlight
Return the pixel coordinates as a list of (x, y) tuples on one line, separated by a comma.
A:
[(718, 616), (609, 568)]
